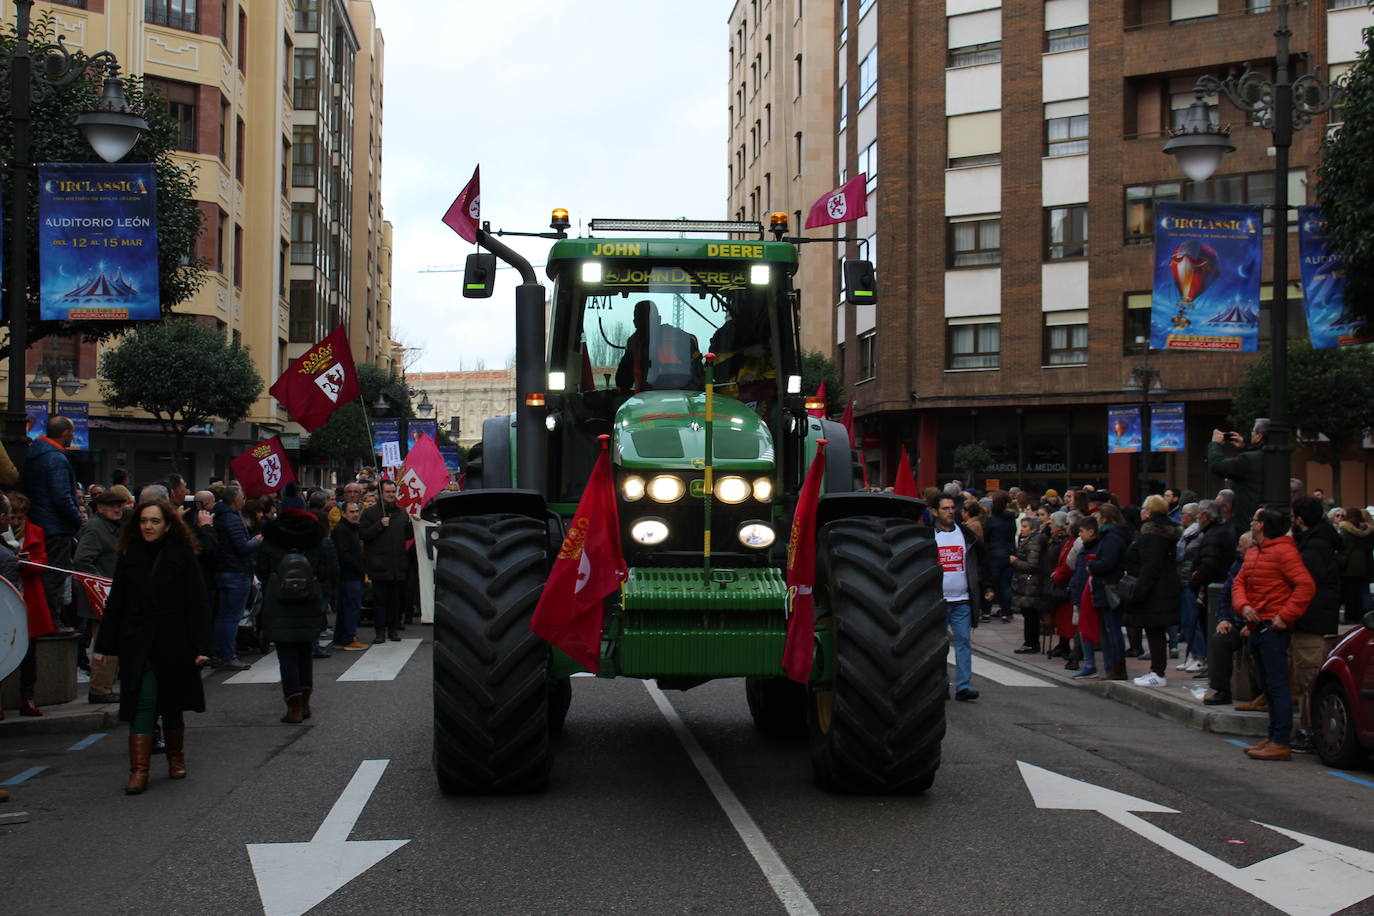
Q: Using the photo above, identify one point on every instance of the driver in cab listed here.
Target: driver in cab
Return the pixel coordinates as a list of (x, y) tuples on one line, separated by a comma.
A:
[(658, 355)]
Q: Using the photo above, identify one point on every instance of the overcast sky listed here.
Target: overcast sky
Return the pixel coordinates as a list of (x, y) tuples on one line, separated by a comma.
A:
[(605, 107)]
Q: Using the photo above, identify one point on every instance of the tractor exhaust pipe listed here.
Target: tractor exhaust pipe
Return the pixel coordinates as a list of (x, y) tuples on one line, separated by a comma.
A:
[(531, 435)]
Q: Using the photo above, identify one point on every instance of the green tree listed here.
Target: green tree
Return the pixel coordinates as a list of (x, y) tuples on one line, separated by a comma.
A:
[(182, 373), (1330, 392), (55, 139), (972, 458), (816, 368), (1346, 188), (346, 439)]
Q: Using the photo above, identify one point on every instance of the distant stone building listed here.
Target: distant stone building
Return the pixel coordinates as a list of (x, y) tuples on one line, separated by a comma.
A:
[(466, 399)]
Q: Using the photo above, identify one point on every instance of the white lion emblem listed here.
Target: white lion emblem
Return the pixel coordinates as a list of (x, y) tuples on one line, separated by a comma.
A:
[(836, 206), (331, 381), (271, 470)]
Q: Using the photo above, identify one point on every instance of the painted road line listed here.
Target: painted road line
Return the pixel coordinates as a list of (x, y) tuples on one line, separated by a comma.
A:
[(27, 774), (1354, 779), (779, 876), (1237, 742), (294, 877), (264, 671), (1000, 674), (382, 662), (87, 741)]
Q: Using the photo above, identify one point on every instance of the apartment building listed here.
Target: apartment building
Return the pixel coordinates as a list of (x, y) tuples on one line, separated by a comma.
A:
[(241, 76), (1020, 165)]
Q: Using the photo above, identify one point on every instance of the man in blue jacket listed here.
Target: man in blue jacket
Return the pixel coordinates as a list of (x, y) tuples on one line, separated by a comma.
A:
[(50, 484), (233, 576)]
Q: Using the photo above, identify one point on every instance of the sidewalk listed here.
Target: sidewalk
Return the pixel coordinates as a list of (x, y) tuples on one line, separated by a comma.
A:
[(997, 640), (79, 715)]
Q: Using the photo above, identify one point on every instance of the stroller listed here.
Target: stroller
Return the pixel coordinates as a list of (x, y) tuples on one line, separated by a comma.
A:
[(252, 635)]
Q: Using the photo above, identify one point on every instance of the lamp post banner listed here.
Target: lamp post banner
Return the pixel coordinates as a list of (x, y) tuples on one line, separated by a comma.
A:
[(97, 242), (80, 415), (1207, 277), (451, 459), (1330, 322), (383, 431), (417, 427), (35, 419), (1166, 427), (1123, 430)]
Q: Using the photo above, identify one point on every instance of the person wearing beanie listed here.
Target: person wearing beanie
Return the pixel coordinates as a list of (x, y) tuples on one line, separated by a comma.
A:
[(295, 568)]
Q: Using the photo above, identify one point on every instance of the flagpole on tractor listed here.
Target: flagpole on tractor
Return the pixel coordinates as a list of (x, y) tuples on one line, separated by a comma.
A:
[(708, 485)]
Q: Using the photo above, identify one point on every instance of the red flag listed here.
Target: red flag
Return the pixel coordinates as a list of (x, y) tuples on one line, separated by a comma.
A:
[(423, 476), (820, 394), (590, 566), (848, 201), (466, 209), (801, 575), (263, 469), (319, 382), (905, 485), (97, 587)]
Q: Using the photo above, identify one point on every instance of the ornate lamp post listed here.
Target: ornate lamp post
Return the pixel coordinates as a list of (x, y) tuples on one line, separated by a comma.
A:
[(50, 375), (1143, 382), (112, 128), (1281, 106)]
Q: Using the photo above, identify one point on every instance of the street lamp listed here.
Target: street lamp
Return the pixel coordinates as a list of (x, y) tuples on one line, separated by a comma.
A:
[(425, 409), (1143, 382), (1281, 106), (111, 128), (48, 377)]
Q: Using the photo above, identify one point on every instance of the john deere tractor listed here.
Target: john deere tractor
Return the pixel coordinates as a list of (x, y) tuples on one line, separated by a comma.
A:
[(630, 322)]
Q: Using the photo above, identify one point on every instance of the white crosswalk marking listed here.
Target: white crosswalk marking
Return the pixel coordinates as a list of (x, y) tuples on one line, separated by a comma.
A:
[(1001, 674), (264, 671), (383, 662)]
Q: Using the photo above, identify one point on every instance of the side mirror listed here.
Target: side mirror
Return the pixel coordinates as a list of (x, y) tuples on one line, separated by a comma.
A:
[(479, 275), (859, 283)]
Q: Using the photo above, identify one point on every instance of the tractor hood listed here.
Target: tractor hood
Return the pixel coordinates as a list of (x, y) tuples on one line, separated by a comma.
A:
[(667, 430)]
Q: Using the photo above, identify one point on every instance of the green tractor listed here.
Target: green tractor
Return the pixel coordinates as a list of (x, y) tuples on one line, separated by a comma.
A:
[(629, 322)]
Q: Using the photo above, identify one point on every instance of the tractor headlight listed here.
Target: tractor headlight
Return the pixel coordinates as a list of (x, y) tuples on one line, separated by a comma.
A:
[(649, 531), (763, 490), (756, 534), (632, 488), (732, 490), (666, 489)]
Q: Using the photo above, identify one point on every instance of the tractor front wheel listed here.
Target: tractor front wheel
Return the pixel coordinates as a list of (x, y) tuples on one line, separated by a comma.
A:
[(777, 705), (492, 713), (877, 716)]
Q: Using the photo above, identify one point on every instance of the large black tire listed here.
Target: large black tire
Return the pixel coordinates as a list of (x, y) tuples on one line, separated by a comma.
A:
[(877, 729), (1334, 728), (491, 686), (777, 705), (560, 698)]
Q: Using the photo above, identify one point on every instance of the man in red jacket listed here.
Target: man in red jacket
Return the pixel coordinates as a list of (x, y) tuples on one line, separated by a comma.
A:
[(1271, 592)]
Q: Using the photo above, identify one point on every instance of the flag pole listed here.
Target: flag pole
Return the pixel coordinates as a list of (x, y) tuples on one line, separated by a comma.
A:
[(371, 442), (708, 489)]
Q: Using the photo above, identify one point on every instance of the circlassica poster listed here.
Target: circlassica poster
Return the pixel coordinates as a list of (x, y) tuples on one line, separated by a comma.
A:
[(1207, 277), (97, 242)]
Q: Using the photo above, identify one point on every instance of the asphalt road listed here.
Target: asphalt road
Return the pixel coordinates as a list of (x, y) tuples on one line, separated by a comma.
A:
[(629, 825)]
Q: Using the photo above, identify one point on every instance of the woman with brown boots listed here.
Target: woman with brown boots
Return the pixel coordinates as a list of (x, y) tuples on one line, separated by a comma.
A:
[(157, 622)]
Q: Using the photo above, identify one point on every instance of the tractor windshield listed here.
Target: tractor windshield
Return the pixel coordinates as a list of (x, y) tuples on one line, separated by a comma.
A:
[(646, 328)]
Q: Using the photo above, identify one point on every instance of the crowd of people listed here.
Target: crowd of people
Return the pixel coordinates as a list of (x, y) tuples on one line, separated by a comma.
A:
[(1097, 582), (194, 577)]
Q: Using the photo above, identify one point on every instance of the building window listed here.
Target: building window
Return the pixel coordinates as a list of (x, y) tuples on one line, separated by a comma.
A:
[(868, 165), (1136, 323), (1180, 102), (224, 23), (1073, 38), (304, 163), (1066, 128), (1265, 6), (868, 77), (79, 4), (767, 123), (976, 344), (1066, 232), (974, 241), (176, 14), (798, 139), (1251, 188), (844, 106), (864, 7), (989, 52), (799, 76), (306, 90), (302, 233), (754, 74), (1345, 4), (238, 257), (1191, 10), (974, 139), (285, 167), (1066, 338), (223, 129), (243, 41), (181, 108), (301, 311), (221, 239), (844, 22), (240, 151), (1140, 208), (767, 54), (868, 363), (307, 15)]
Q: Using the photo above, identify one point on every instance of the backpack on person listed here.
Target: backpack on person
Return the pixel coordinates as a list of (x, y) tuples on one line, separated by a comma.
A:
[(296, 581)]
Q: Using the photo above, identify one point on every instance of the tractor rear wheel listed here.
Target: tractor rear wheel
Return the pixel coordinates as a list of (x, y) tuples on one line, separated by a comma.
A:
[(777, 705), (491, 687), (876, 726)]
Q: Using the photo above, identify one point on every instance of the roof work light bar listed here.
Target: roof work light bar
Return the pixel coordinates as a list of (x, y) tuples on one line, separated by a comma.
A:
[(712, 226)]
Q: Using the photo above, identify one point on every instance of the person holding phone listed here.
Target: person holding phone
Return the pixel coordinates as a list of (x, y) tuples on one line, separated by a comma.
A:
[(1245, 470)]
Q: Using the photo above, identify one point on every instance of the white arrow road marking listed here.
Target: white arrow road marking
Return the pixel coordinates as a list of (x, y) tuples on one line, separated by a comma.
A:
[(1318, 877), (381, 663), (1000, 674), (293, 877)]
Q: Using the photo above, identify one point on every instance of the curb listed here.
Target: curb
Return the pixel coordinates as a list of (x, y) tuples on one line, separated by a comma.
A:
[(1160, 705), (96, 719)]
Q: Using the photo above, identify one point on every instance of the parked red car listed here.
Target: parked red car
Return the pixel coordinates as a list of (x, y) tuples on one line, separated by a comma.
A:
[(1343, 699)]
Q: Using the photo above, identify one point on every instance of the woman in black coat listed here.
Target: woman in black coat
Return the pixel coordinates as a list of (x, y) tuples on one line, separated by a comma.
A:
[(1154, 601), (157, 622)]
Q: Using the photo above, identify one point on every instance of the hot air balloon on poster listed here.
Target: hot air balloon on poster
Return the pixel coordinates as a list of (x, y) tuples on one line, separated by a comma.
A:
[(1194, 267)]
